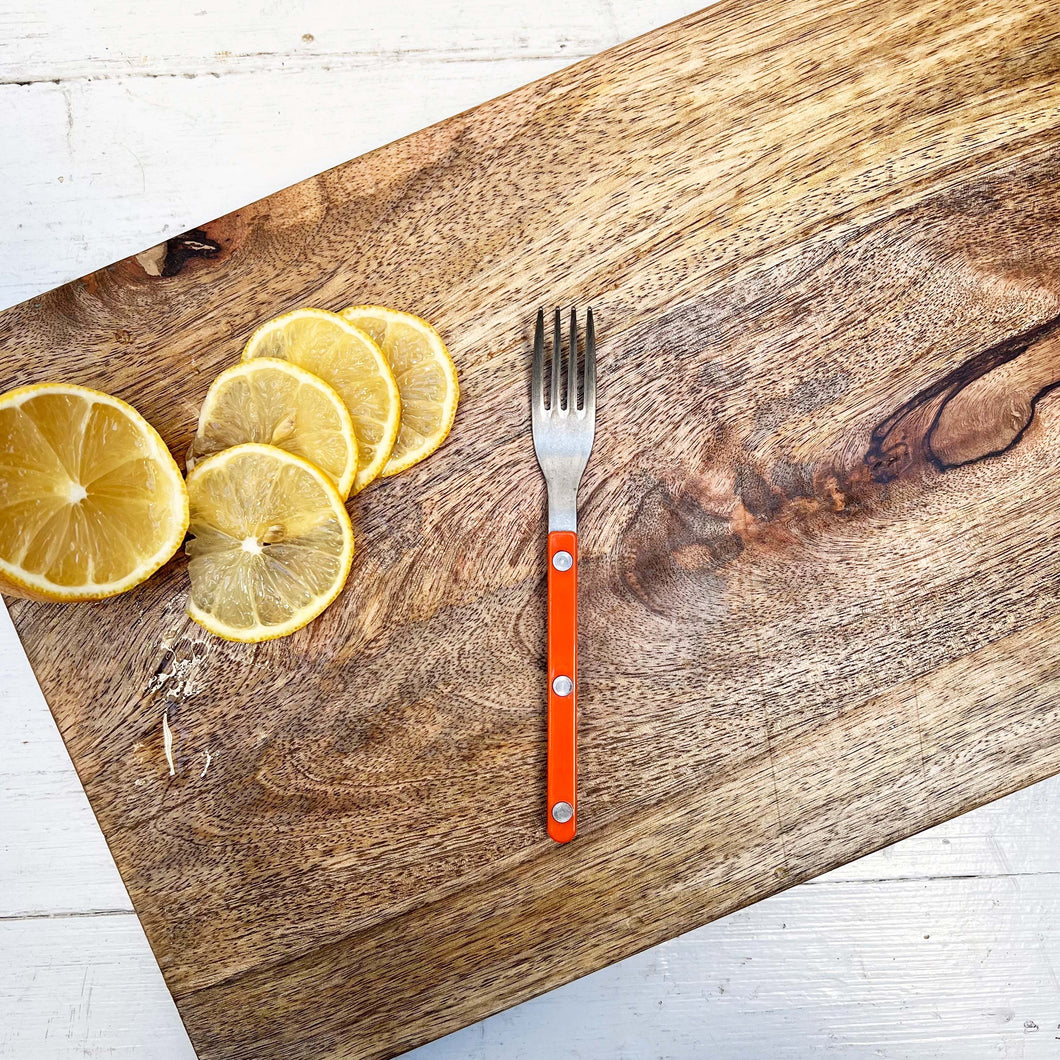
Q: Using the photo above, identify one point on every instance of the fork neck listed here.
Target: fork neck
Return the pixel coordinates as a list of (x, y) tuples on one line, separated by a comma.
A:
[(562, 507)]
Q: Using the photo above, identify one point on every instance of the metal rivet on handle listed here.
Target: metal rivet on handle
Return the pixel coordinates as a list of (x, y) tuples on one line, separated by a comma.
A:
[(563, 561), (563, 686), (562, 812)]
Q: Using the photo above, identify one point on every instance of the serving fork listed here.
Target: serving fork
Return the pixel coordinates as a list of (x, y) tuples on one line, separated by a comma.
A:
[(563, 428)]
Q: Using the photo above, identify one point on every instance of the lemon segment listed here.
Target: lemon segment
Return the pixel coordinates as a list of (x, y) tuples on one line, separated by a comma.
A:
[(277, 403), (91, 501), (271, 542), (426, 379), (350, 362)]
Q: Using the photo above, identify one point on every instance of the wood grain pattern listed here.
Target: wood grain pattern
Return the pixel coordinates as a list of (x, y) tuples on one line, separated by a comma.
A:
[(817, 528)]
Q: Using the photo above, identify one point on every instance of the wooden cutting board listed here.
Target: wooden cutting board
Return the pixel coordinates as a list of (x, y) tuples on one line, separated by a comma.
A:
[(820, 528)]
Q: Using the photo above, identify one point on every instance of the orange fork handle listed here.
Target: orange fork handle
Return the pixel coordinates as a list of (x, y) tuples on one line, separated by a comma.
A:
[(562, 709)]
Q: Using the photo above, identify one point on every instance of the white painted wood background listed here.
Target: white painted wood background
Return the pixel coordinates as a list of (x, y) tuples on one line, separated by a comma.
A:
[(122, 123)]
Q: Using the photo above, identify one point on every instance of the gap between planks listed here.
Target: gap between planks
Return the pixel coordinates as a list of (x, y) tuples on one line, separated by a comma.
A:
[(336, 65)]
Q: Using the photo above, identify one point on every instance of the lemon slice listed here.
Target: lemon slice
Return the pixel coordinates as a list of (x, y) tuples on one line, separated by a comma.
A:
[(426, 379), (349, 361), (91, 502), (277, 403), (271, 542)]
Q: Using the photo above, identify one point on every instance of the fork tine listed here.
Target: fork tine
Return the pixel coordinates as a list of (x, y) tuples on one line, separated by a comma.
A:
[(589, 392), (537, 392), (557, 350), (572, 363)]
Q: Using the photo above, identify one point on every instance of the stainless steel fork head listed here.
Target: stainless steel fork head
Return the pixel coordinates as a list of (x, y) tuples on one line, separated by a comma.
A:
[(563, 430)]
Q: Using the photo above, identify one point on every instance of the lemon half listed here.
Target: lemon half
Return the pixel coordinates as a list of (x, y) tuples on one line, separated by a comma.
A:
[(91, 501)]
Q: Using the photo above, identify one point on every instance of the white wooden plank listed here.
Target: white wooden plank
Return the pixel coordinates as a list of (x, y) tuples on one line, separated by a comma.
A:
[(78, 987), (932, 969), (212, 37), (53, 857), (56, 858)]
